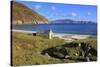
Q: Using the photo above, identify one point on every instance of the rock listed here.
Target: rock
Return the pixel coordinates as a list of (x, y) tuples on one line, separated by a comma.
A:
[(47, 55), (67, 56), (58, 54), (82, 52), (87, 59)]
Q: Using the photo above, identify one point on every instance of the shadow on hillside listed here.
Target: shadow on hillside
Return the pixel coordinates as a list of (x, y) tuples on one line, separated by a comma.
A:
[(72, 51)]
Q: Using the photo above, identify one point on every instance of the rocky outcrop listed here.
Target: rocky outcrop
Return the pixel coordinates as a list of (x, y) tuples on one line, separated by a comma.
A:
[(73, 51), (24, 15)]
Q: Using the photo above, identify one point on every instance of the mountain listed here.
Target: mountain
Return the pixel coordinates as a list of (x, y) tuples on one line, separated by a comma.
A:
[(63, 21), (69, 21), (24, 15)]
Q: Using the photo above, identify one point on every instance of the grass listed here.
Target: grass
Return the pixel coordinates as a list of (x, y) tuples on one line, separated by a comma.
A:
[(26, 49), (91, 41)]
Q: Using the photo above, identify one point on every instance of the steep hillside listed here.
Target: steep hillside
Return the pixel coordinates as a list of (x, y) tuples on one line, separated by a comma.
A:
[(23, 15)]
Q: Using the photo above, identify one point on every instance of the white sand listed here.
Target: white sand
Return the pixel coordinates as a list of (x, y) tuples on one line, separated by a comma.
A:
[(70, 37), (65, 36)]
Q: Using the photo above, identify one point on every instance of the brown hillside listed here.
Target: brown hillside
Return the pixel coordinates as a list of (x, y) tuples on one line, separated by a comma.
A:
[(23, 15)]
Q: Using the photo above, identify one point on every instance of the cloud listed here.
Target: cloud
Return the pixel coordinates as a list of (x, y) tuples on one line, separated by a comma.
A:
[(37, 6), (89, 13), (53, 8), (73, 14)]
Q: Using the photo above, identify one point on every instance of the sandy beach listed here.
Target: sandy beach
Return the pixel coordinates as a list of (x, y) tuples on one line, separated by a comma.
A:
[(71, 37)]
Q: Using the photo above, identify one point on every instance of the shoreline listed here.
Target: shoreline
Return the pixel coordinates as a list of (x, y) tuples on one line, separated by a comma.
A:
[(72, 37), (27, 31), (69, 37)]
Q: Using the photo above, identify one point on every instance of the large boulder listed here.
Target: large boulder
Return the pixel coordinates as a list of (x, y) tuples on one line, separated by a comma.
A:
[(77, 51)]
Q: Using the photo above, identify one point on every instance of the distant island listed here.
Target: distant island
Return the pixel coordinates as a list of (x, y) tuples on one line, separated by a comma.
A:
[(70, 21)]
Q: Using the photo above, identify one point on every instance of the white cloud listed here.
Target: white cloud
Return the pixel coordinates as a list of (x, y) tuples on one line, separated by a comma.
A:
[(37, 6), (73, 14), (79, 17), (89, 13), (53, 8)]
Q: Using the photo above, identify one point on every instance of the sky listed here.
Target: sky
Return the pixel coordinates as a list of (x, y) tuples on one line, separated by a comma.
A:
[(56, 11)]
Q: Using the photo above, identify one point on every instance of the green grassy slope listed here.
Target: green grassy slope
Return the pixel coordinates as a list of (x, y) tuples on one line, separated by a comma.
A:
[(26, 49)]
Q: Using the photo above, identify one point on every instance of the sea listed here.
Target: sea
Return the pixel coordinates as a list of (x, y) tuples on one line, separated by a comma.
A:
[(90, 29)]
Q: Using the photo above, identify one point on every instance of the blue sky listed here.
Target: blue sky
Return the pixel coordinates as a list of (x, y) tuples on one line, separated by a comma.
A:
[(55, 11)]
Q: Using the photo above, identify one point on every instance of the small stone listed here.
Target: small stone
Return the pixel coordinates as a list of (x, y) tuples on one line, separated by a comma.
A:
[(67, 56)]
